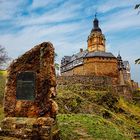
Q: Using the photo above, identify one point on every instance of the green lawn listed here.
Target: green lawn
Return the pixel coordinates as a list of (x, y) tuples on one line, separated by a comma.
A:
[(88, 127)]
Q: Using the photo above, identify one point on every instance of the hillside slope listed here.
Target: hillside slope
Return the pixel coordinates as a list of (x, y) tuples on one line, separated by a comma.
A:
[(93, 114), (96, 114)]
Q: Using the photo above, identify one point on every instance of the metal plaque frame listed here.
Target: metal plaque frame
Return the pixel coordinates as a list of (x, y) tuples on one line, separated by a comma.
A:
[(25, 88)]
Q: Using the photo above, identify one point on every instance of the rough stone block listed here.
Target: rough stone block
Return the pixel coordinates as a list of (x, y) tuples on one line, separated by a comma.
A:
[(30, 88)]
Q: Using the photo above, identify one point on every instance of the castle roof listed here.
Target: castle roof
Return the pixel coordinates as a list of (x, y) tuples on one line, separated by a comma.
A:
[(86, 54), (126, 65), (100, 54), (119, 57), (78, 55), (81, 54)]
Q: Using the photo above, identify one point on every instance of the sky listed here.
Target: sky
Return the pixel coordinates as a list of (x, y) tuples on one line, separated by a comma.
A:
[(67, 24)]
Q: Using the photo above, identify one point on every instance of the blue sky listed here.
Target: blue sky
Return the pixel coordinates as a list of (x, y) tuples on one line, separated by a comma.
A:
[(67, 24)]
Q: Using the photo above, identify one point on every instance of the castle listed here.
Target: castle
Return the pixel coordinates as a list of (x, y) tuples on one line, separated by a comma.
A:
[(95, 61)]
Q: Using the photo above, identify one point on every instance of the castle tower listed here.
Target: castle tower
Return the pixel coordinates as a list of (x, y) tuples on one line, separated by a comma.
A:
[(121, 70), (96, 40)]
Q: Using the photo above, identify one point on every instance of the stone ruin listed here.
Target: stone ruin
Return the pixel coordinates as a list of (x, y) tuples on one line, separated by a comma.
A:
[(30, 111)]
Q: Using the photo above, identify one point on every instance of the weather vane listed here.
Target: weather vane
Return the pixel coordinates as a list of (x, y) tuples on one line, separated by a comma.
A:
[(119, 52), (95, 13)]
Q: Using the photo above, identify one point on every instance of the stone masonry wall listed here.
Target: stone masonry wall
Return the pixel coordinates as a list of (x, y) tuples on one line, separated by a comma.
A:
[(97, 67), (84, 82), (101, 66)]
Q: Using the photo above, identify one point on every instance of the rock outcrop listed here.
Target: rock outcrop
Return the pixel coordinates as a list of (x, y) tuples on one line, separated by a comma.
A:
[(40, 61), (29, 108)]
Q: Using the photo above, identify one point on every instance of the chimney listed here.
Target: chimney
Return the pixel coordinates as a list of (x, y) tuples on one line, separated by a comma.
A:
[(81, 50)]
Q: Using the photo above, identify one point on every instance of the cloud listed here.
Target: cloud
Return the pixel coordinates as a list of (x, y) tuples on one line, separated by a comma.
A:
[(30, 36), (121, 20), (40, 3), (110, 5), (67, 25), (10, 9), (47, 18)]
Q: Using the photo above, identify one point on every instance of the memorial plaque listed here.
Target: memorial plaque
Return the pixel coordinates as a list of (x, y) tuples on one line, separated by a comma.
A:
[(25, 86)]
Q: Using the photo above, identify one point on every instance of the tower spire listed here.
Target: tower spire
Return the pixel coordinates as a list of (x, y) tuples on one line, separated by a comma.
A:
[(96, 40), (96, 22), (95, 14), (119, 56)]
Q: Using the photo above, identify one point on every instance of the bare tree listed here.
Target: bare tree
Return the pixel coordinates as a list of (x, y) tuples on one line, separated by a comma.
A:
[(3, 56)]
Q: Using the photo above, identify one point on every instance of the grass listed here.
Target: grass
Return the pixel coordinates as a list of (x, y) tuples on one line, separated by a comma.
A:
[(92, 127), (130, 107), (84, 115), (3, 72), (107, 119), (2, 87)]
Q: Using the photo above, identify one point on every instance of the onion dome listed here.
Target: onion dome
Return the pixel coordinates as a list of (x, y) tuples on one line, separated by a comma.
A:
[(96, 25)]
